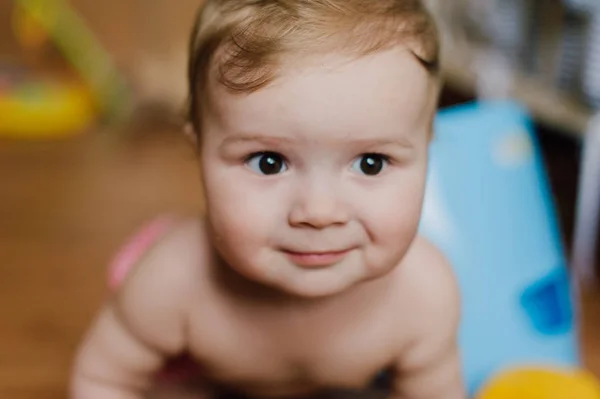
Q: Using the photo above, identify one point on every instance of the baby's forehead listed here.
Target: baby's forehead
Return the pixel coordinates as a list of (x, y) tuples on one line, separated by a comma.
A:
[(388, 75), (296, 64), (335, 92)]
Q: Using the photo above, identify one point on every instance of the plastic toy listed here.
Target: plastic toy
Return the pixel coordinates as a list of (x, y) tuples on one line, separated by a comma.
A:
[(69, 33), (51, 107), (540, 383), (489, 208), (34, 108)]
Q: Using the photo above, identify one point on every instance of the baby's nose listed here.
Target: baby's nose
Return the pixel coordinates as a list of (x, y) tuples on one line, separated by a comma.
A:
[(318, 207)]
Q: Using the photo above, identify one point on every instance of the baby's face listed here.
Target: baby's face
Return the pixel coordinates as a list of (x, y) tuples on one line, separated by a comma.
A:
[(315, 183)]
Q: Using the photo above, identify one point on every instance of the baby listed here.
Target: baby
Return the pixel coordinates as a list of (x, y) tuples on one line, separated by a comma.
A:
[(312, 120)]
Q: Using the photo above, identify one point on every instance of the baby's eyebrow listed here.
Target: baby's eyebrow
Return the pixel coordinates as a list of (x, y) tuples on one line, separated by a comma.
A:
[(400, 142), (272, 140), (240, 139)]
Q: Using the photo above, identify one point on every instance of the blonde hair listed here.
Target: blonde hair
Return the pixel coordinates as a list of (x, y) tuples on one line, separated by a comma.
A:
[(251, 37)]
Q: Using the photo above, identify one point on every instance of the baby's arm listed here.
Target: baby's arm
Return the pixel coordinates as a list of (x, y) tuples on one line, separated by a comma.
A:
[(430, 367), (136, 329)]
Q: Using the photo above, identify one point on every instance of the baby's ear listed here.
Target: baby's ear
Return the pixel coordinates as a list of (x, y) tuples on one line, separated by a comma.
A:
[(190, 133)]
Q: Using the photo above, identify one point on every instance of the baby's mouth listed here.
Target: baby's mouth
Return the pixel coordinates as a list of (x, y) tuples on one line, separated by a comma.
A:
[(316, 260)]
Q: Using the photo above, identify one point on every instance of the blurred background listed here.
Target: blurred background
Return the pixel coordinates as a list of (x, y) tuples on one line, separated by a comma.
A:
[(91, 101)]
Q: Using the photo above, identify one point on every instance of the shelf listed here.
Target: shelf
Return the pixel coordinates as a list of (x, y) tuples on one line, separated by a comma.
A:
[(547, 106)]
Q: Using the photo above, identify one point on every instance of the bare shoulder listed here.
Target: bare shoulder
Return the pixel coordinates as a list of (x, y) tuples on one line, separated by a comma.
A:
[(153, 301), (172, 258), (428, 360), (430, 293)]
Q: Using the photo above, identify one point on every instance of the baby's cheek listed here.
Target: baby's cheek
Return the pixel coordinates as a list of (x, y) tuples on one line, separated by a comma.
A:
[(243, 218), (393, 224), (235, 221), (234, 238), (229, 198)]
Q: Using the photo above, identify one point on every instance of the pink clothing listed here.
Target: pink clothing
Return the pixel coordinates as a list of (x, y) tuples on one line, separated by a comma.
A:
[(135, 248)]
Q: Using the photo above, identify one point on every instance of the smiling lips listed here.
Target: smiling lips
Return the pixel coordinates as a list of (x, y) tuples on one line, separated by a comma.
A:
[(316, 259)]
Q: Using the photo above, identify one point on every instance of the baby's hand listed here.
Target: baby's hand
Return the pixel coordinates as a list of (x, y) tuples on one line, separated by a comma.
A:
[(113, 362)]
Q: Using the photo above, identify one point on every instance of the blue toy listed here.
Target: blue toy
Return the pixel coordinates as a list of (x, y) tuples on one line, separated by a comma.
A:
[(489, 209)]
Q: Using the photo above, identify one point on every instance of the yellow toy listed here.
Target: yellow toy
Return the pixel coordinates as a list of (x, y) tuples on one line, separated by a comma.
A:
[(57, 107), (542, 383), (45, 109)]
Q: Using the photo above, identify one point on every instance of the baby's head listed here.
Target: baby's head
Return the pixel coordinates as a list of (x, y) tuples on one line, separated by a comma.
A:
[(313, 119)]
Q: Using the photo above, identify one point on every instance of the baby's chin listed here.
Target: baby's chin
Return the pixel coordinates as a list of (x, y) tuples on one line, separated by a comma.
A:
[(313, 291), (314, 284), (293, 280)]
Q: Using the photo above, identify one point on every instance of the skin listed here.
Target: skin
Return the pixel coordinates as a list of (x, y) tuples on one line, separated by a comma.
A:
[(257, 291)]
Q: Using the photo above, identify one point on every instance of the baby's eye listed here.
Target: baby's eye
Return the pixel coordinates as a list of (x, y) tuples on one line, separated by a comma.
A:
[(267, 163), (370, 164)]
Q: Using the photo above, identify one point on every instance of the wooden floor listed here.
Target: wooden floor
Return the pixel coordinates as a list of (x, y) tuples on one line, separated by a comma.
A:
[(65, 207)]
